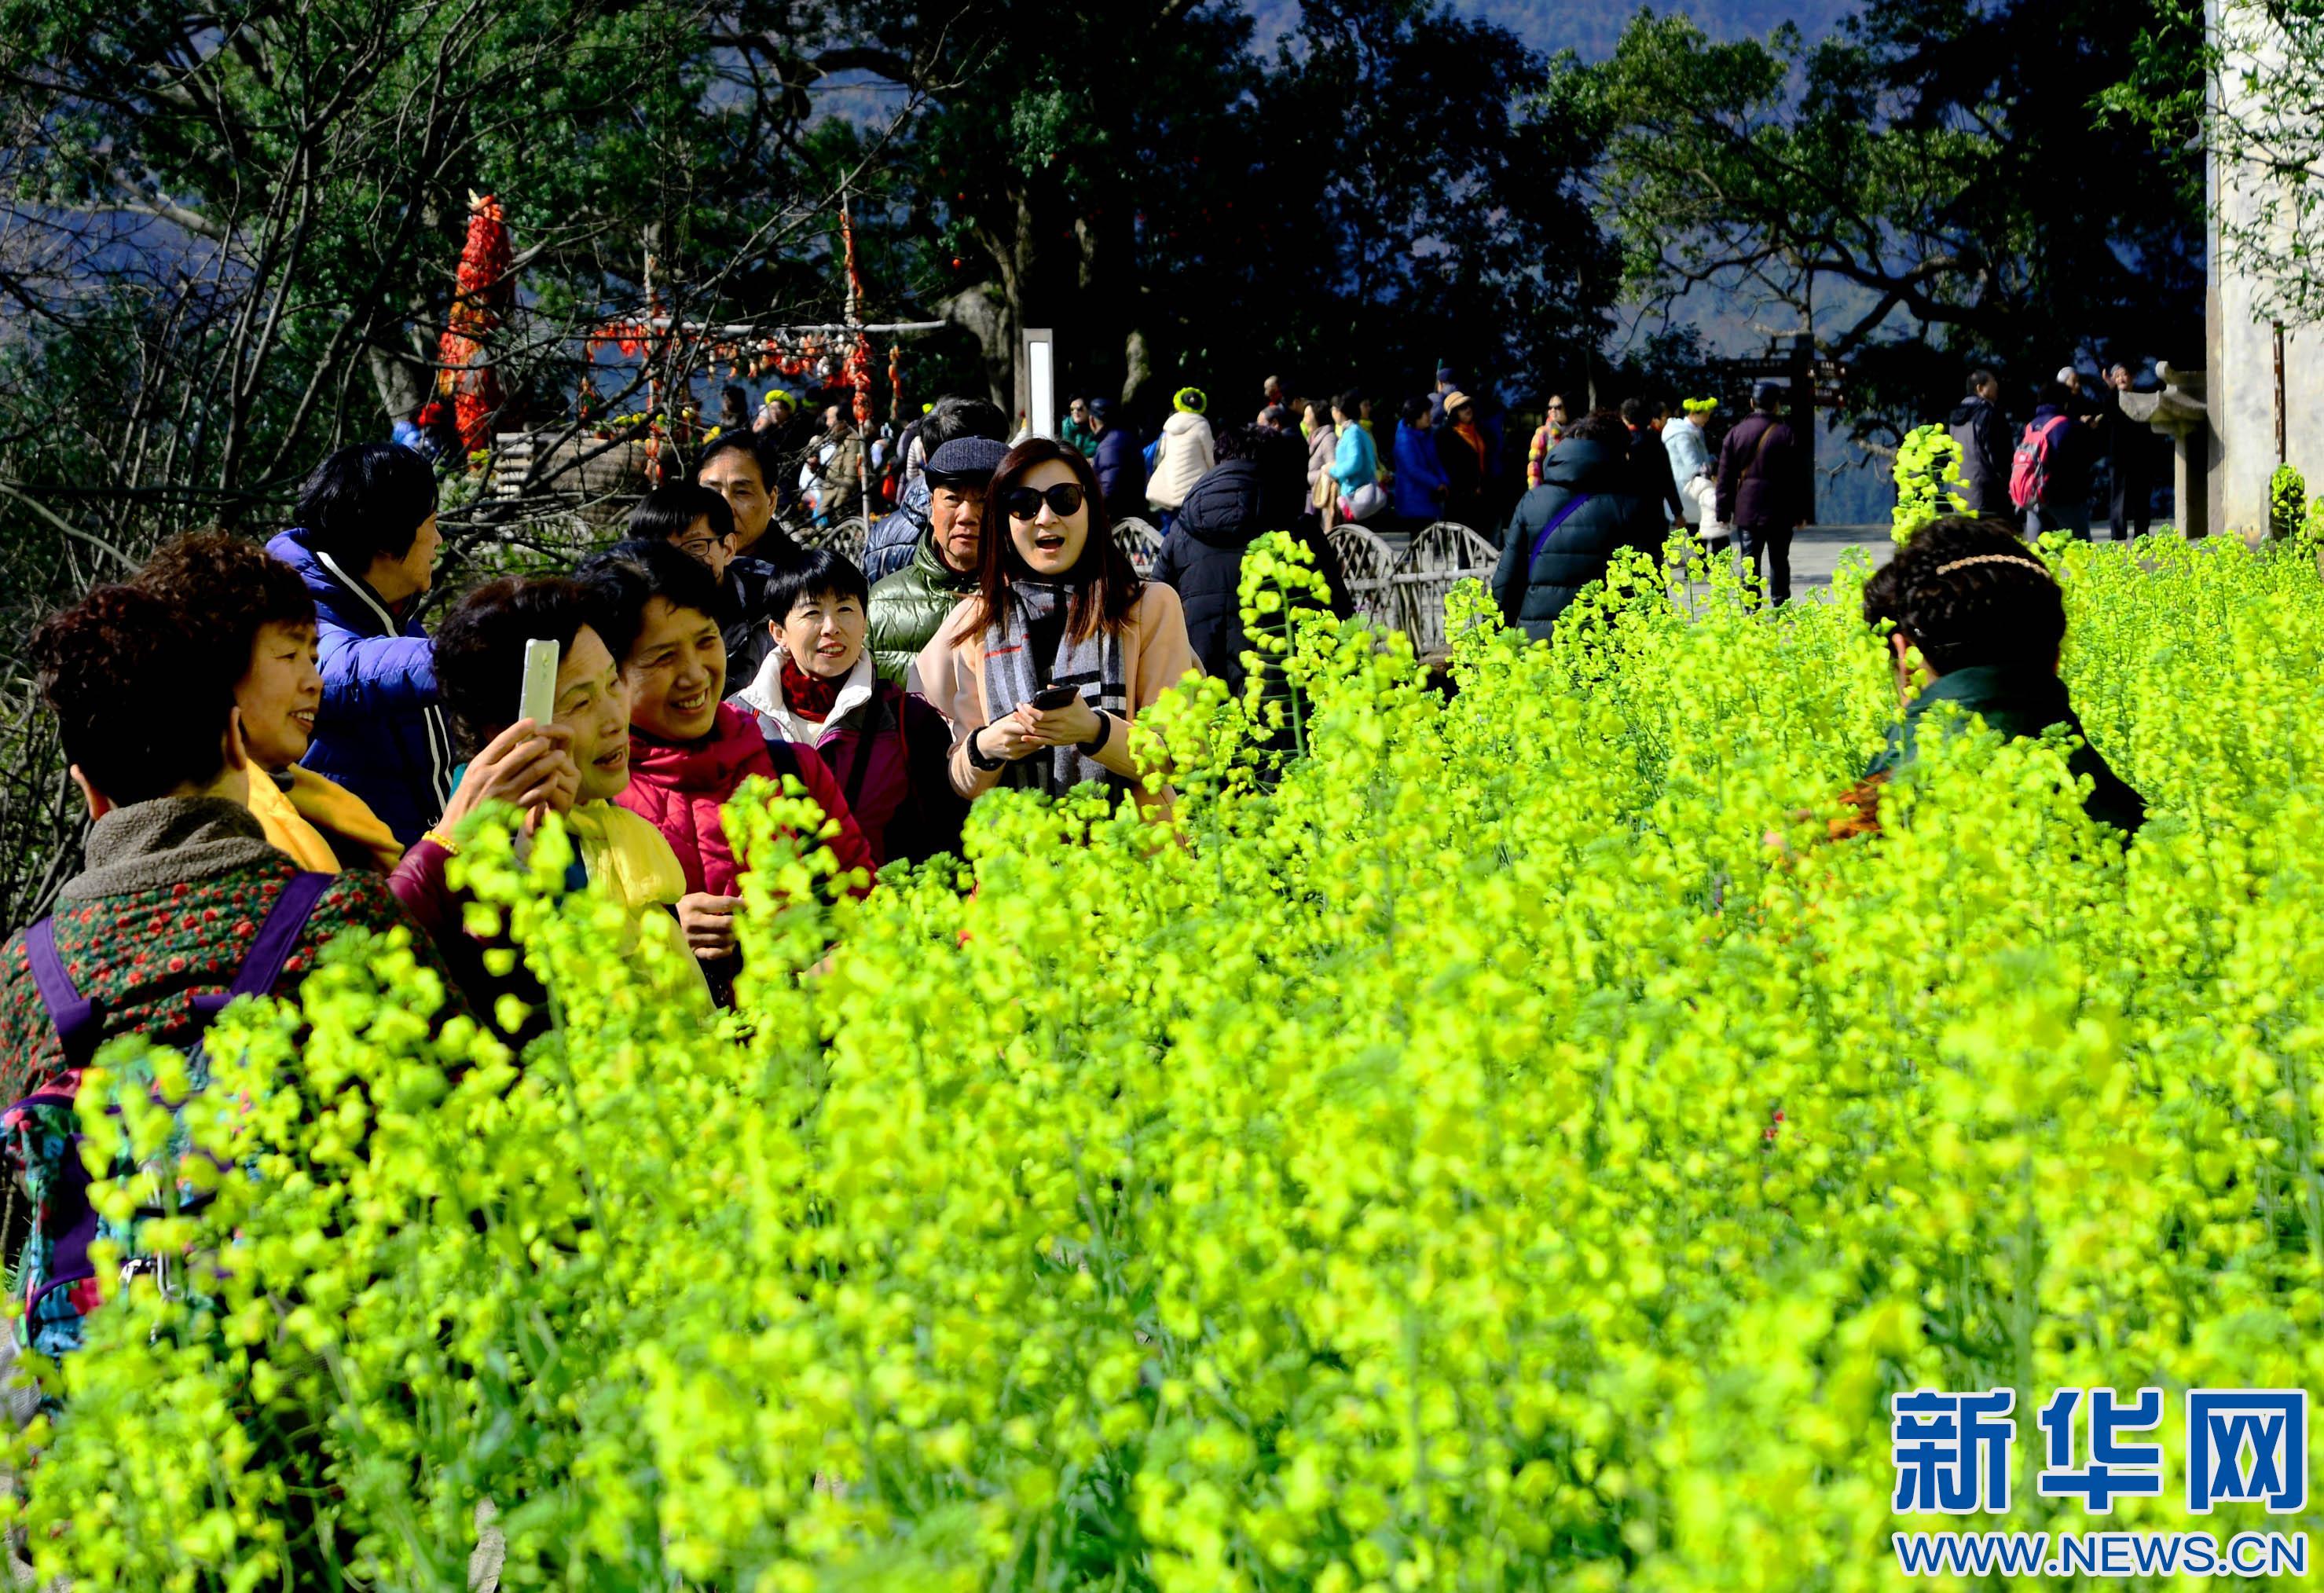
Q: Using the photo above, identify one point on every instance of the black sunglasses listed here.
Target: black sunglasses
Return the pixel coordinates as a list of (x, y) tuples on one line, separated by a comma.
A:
[(1025, 502)]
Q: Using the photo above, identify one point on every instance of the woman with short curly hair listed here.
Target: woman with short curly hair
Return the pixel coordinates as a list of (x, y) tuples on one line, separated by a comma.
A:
[(1972, 616), (251, 617)]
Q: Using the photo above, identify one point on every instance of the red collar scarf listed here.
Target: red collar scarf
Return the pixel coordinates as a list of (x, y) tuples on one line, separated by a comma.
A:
[(811, 696)]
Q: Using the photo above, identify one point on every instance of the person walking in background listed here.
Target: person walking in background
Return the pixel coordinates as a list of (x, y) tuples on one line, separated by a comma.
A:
[(890, 752), (1448, 379), (1460, 450), (1077, 430), (1421, 484), (1323, 449), (840, 479), (1119, 465), (907, 608), (733, 409), (253, 619), (1590, 505), (1763, 489), (1056, 604), (1546, 437), (1184, 452), (1651, 460), (365, 543), (1201, 560), (1355, 462), (1694, 467), (1981, 432), (2130, 448), (889, 548), (2050, 473)]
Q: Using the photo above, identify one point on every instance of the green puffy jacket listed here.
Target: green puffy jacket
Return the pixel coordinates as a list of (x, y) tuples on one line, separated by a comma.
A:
[(908, 606)]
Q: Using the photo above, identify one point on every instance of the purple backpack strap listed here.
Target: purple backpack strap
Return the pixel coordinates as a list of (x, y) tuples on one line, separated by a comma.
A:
[(278, 936), (1557, 519), (74, 1015)]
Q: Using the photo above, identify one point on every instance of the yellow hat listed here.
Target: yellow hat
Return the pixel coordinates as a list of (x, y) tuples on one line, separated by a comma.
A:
[(1192, 400)]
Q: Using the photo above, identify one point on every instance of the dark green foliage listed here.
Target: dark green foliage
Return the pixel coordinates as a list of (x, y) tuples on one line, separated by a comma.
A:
[(1929, 189)]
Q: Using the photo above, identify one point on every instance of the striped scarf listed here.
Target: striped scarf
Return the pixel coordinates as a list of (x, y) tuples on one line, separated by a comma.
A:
[(1012, 676)]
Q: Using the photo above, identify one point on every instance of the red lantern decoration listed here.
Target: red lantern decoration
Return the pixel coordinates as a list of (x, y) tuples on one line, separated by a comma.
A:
[(483, 288)]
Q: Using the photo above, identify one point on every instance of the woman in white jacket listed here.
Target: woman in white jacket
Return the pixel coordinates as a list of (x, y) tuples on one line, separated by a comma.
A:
[(1694, 466), (1184, 457)]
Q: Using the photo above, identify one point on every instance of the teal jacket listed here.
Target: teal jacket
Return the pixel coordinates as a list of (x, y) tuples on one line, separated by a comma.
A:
[(2019, 705)]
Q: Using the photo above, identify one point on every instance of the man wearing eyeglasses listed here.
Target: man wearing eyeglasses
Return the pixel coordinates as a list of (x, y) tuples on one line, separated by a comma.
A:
[(908, 607)]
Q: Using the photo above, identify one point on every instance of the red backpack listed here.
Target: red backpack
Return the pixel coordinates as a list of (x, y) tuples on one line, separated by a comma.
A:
[(2029, 467)]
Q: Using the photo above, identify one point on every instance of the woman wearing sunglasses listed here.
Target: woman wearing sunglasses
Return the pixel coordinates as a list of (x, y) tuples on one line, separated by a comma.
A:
[(1057, 615)]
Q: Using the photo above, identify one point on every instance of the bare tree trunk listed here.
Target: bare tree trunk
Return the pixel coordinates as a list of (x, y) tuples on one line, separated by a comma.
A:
[(1141, 363), (402, 382), (981, 312)]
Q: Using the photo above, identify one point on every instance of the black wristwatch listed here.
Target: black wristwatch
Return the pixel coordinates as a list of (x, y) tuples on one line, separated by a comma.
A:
[(1097, 743), (976, 757)]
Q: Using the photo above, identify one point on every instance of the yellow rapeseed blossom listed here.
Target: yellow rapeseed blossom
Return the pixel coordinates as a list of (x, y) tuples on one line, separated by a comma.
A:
[(1490, 1137)]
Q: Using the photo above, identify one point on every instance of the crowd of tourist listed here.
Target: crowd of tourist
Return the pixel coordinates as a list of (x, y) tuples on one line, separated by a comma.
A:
[(275, 751)]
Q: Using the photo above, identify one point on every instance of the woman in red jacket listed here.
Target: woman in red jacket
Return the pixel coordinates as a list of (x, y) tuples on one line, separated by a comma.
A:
[(691, 751), (888, 750)]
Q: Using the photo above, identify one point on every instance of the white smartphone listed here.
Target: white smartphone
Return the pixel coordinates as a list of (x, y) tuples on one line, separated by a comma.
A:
[(539, 702)]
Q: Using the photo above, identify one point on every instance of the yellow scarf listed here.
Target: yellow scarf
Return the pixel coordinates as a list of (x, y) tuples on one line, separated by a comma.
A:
[(626, 856), (301, 821), (631, 862)]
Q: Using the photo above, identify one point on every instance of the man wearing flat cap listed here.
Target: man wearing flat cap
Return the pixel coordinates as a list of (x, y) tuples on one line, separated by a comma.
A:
[(1763, 489), (908, 606)]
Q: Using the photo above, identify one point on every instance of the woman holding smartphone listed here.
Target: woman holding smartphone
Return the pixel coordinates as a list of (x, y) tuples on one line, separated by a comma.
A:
[(524, 650), (1043, 667)]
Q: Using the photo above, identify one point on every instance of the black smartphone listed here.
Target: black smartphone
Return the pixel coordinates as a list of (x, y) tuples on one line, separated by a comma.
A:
[(1054, 696)]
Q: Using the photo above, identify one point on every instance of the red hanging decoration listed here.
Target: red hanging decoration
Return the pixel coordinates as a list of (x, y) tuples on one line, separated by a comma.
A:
[(859, 358), (482, 288), (896, 382)]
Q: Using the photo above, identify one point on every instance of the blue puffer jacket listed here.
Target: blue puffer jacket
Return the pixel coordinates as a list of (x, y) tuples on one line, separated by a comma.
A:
[(379, 732), (1420, 480), (1355, 463), (889, 548)]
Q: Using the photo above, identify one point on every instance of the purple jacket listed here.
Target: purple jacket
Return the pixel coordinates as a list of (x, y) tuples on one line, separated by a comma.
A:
[(379, 732), (1761, 486)]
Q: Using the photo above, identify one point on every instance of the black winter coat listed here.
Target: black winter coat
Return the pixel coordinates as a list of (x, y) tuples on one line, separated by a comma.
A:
[(1765, 487), (1982, 434), (1120, 470), (744, 611), (1534, 591), (1228, 510), (1650, 463)]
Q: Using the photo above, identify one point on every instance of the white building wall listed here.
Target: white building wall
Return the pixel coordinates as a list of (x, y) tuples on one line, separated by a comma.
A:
[(2241, 359)]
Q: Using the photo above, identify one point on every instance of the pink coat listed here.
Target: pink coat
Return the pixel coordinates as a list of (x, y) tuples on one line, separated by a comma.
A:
[(1155, 657), (680, 788)]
